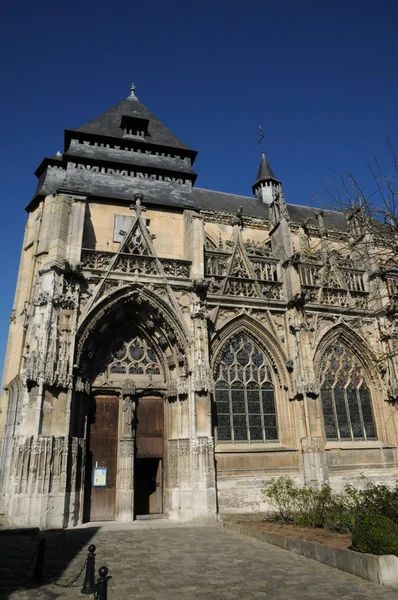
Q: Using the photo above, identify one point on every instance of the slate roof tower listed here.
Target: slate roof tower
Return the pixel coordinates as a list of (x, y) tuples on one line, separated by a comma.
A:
[(266, 183), (121, 152)]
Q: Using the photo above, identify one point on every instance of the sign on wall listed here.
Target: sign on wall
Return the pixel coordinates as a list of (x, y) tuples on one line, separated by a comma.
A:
[(100, 476)]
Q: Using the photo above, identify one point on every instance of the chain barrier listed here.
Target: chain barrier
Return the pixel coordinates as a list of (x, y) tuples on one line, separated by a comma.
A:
[(25, 573), (70, 583), (48, 576)]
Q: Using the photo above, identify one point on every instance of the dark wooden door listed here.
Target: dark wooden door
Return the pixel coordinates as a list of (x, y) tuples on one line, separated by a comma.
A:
[(149, 432), (148, 489), (103, 453)]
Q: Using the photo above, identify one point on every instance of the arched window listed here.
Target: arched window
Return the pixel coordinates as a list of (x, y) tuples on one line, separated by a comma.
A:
[(244, 395), (135, 357), (346, 399)]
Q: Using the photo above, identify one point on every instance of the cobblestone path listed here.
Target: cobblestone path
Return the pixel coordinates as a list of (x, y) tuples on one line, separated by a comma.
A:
[(161, 562)]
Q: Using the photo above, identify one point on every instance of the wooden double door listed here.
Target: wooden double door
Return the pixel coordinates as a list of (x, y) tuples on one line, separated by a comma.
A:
[(100, 504)]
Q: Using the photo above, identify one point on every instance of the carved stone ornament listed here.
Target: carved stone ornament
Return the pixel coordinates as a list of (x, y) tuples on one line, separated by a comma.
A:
[(393, 393), (127, 448), (128, 409), (171, 389), (312, 444), (66, 295), (289, 365), (388, 329), (202, 380), (227, 218), (199, 310), (200, 287), (177, 387), (202, 445), (128, 388), (39, 463), (311, 388), (83, 385), (41, 299), (306, 387)]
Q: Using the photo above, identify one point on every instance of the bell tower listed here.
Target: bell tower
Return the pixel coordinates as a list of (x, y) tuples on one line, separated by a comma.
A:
[(266, 183)]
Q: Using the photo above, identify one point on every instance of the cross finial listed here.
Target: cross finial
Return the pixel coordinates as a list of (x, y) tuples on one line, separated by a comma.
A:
[(137, 207), (132, 90)]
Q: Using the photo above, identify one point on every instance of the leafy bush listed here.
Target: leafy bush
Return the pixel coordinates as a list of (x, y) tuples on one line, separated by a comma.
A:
[(322, 508), (282, 496), (310, 507), (306, 506), (373, 499), (375, 534), (371, 514)]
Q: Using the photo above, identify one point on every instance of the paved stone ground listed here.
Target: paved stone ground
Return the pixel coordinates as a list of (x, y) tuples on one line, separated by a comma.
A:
[(162, 562)]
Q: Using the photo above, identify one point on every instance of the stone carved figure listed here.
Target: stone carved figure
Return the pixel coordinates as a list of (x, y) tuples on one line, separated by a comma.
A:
[(129, 408)]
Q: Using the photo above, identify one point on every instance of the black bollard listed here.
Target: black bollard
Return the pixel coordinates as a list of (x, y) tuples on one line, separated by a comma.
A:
[(38, 572), (89, 580), (102, 584)]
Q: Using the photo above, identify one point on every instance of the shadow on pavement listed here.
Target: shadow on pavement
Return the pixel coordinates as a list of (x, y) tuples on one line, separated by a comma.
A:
[(65, 553)]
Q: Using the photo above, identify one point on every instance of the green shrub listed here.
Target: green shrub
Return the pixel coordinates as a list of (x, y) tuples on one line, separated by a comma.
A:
[(318, 508), (371, 514), (375, 534), (373, 499), (308, 506), (311, 506), (282, 495)]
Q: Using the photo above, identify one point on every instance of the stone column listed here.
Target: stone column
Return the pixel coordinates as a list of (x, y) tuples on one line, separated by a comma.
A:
[(125, 489), (314, 461)]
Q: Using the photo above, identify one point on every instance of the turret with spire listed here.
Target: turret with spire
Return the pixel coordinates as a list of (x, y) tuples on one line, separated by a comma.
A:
[(266, 183)]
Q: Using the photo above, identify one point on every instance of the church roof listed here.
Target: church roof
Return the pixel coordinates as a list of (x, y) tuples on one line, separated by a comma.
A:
[(108, 124), (127, 149), (252, 207)]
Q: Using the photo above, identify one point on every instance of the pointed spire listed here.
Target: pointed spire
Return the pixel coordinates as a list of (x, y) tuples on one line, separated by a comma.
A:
[(266, 182), (264, 170)]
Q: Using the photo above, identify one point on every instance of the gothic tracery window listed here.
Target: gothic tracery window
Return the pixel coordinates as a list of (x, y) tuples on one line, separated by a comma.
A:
[(244, 394), (134, 357), (346, 399)]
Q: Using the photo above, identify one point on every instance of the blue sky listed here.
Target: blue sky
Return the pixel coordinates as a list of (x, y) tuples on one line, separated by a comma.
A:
[(321, 78)]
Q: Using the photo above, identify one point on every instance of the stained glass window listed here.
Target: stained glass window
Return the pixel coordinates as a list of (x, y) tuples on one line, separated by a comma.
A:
[(244, 395), (346, 399)]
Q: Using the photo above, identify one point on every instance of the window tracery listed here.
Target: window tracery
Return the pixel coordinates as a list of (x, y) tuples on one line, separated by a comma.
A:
[(134, 357), (244, 394), (346, 398)]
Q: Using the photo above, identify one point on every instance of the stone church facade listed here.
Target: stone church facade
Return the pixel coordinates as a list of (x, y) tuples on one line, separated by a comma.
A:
[(171, 348)]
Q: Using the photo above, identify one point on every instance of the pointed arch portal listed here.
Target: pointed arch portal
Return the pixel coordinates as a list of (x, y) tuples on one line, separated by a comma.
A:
[(131, 351)]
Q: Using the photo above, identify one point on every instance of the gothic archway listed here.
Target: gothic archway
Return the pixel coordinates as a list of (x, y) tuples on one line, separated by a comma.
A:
[(119, 319), (131, 354)]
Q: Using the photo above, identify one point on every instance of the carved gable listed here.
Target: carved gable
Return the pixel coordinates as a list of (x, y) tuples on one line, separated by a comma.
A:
[(247, 272)]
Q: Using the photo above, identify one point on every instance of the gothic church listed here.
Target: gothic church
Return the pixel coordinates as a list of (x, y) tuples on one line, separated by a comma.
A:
[(171, 348)]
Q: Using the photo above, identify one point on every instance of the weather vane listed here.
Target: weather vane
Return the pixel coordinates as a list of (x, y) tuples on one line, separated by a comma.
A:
[(260, 141)]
